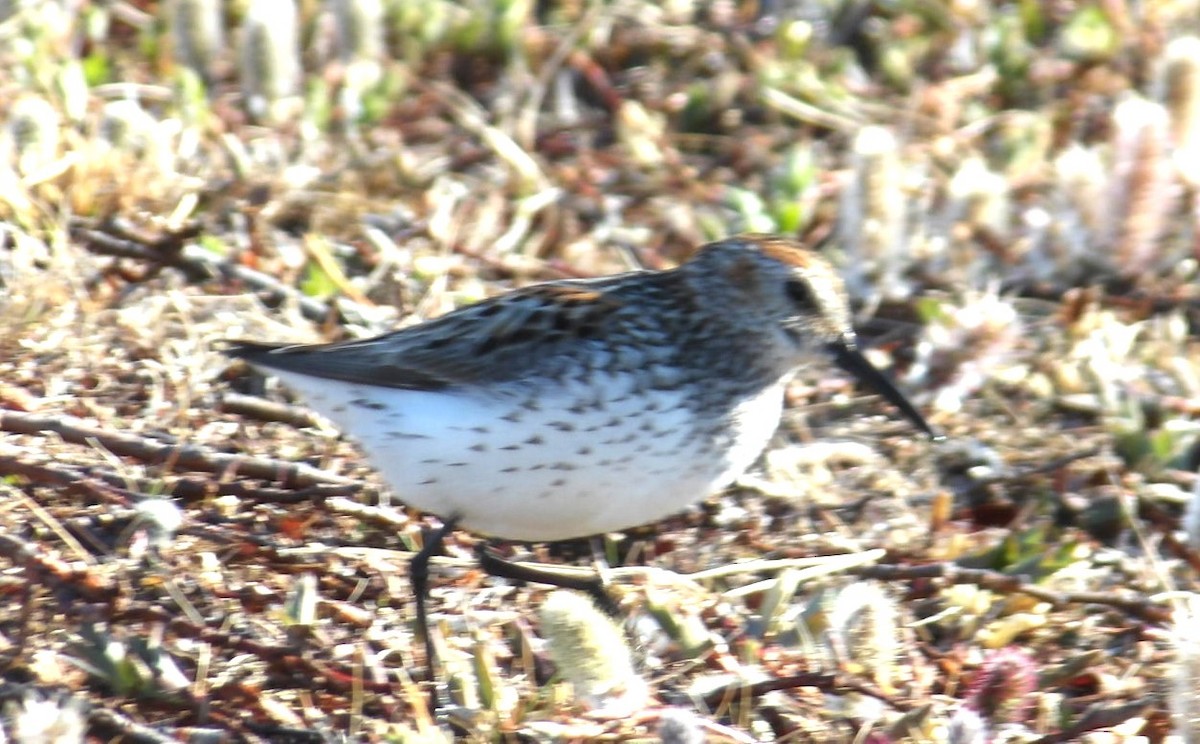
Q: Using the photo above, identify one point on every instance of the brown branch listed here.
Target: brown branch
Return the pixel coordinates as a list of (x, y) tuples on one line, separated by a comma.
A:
[(1135, 605), (1041, 468), (199, 488), (117, 727), (265, 410), (89, 583), (61, 476), (104, 486), (122, 240), (821, 681), (291, 475), (286, 660)]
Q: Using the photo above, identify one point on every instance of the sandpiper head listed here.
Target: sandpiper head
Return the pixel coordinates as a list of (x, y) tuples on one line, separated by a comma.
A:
[(800, 297), (794, 292)]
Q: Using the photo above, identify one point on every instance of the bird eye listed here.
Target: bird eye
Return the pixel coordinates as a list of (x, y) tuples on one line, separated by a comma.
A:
[(797, 290)]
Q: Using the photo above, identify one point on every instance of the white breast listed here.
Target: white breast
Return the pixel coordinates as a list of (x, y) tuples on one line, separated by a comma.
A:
[(550, 464)]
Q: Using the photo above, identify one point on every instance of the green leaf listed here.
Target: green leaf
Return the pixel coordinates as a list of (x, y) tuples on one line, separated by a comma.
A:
[(96, 69), (213, 244), (317, 283), (1089, 35)]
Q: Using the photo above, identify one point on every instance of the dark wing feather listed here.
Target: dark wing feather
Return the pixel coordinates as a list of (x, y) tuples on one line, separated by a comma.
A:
[(323, 360), (501, 338)]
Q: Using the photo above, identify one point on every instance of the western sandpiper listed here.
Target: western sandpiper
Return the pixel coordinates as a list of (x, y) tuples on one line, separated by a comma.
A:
[(579, 407)]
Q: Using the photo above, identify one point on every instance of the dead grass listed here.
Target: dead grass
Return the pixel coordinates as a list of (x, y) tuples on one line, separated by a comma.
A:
[(1026, 263)]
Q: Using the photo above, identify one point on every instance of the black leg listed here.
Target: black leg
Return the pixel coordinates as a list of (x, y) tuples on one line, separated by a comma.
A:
[(494, 565), (418, 574)]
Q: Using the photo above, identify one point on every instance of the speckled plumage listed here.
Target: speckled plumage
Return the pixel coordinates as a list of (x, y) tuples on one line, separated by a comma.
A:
[(577, 407)]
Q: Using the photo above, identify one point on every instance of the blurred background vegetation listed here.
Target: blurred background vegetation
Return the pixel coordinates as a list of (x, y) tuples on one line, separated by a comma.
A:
[(1010, 189)]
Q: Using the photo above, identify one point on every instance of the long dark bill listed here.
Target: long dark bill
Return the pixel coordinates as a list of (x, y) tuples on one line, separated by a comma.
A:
[(847, 356)]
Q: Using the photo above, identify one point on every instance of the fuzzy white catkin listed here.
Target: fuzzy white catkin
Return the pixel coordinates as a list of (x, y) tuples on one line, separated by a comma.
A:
[(197, 33), (1181, 91), (161, 518), (127, 126), (32, 133), (980, 195), (591, 653), (1142, 186), (57, 720), (269, 62), (360, 27), (1184, 693), (873, 216), (1082, 177), (864, 626)]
